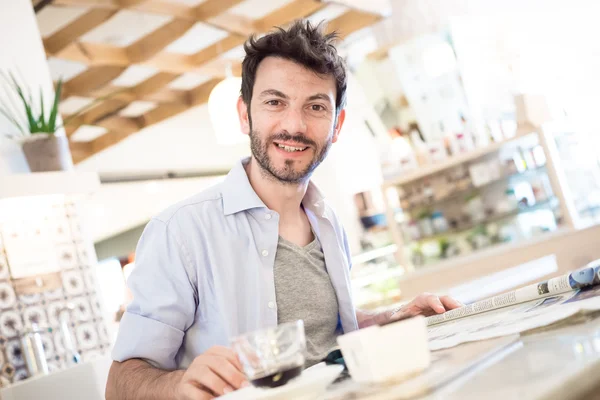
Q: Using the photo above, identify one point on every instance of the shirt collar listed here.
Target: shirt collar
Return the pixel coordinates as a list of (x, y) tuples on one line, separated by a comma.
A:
[(238, 194)]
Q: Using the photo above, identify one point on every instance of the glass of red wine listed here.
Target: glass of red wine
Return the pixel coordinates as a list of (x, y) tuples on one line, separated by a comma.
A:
[(274, 356)]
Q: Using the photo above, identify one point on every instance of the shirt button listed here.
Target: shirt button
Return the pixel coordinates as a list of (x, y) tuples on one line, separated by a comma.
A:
[(264, 253), (271, 305), (268, 216)]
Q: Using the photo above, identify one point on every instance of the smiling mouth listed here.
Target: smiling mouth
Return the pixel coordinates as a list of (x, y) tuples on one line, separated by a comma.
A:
[(290, 149)]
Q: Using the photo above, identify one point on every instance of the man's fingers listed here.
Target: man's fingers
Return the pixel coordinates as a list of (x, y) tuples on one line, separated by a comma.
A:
[(435, 304), (190, 391), (205, 376), (227, 371), (226, 353), (450, 303)]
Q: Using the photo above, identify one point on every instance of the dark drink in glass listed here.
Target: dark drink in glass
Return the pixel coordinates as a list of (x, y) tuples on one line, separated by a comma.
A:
[(278, 378)]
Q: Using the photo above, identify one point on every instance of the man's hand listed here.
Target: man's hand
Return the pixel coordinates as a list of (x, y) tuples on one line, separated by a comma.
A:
[(216, 372), (425, 304)]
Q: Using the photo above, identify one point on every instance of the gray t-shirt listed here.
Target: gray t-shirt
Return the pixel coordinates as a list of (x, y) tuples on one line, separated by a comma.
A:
[(304, 291)]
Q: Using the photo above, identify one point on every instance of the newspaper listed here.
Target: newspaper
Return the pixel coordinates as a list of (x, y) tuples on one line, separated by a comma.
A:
[(516, 319), (575, 280)]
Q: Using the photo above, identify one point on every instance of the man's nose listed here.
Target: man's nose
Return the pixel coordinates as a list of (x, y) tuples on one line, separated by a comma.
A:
[(294, 122)]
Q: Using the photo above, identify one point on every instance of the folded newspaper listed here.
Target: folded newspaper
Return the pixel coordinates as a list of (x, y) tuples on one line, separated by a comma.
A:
[(575, 280)]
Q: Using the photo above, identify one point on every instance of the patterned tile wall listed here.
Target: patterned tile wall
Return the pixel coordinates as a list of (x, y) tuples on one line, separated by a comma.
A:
[(88, 329)]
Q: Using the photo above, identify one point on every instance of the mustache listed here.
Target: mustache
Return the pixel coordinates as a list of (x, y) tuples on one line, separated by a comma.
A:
[(286, 137)]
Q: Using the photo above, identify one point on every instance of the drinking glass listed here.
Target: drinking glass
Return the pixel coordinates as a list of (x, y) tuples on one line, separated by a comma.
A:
[(272, 357)]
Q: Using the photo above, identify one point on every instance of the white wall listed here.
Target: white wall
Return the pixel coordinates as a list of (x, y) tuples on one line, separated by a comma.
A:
[(21, 51)]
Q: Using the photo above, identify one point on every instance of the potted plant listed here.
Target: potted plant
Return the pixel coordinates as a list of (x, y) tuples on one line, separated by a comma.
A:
[(36, 127)]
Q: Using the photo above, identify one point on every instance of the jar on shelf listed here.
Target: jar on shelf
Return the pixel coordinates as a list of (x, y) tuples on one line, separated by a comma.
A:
[(507, 203), (439, 222), (413, 230), (426, 225), (474, 209)]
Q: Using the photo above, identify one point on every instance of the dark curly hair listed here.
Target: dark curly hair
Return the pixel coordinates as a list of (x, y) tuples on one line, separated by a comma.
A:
[(303, 43)]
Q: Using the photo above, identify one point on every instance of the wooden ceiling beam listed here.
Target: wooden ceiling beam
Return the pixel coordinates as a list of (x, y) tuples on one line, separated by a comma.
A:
[(171, 62), (105, 141), (153, 43), (119, 99), (91, 79), (351, 21), (80, 150), (166, 95), (88, 21), (288, 13), (120, 128), (147, 50), (212, 8), (161, 113), (117, 123), (204, 12), (213, 51), (94, 54), (111, 4), (200, 94), (218, 68), (233, 23), (151, 84)]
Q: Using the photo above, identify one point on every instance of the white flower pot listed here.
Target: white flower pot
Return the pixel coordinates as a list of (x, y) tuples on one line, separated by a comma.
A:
[(48, 153)]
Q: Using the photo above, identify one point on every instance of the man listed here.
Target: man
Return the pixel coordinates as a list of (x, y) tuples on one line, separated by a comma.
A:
[(260, 249)]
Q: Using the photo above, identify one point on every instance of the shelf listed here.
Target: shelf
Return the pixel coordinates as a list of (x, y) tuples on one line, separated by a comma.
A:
[(362, 281), (486, 254), (472, 189), (48, 183), (488, 220), (373, 254), (453, 161)]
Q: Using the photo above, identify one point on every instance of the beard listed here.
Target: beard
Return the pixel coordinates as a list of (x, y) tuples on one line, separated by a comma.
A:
[(287, 174)]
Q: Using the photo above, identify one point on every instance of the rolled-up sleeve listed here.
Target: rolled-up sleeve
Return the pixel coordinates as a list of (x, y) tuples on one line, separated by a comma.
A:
[(164, 302)]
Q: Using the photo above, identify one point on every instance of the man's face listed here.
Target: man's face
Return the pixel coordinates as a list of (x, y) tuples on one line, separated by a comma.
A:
[(291, 119)]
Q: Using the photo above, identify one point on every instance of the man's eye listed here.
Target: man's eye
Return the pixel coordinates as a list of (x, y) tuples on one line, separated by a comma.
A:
[(273, 102), (317, 107)]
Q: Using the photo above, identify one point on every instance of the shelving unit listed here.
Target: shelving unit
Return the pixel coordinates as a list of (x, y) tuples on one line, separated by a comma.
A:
[(490, 219), (473, 189), (380, 271), (557, 201), (454, 161)]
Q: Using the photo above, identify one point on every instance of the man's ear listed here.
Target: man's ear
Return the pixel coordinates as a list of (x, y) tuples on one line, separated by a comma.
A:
[(338, 126), (243, 115)]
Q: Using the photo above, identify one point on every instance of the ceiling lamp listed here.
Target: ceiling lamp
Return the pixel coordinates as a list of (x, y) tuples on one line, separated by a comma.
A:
[(222, 109)]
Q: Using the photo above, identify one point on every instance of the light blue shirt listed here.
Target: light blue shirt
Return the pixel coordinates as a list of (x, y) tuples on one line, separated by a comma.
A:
[(204, 273)]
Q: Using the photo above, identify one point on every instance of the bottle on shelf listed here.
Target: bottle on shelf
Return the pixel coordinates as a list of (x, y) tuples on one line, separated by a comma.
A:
[(437, 151), (439, 222), (400, 155), (419, 145), (414, 233), (538, 155), (425, 224)]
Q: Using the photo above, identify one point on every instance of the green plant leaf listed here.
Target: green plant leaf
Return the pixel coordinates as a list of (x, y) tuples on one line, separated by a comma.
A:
[(54, 110), (30, 119), (42, 119)]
